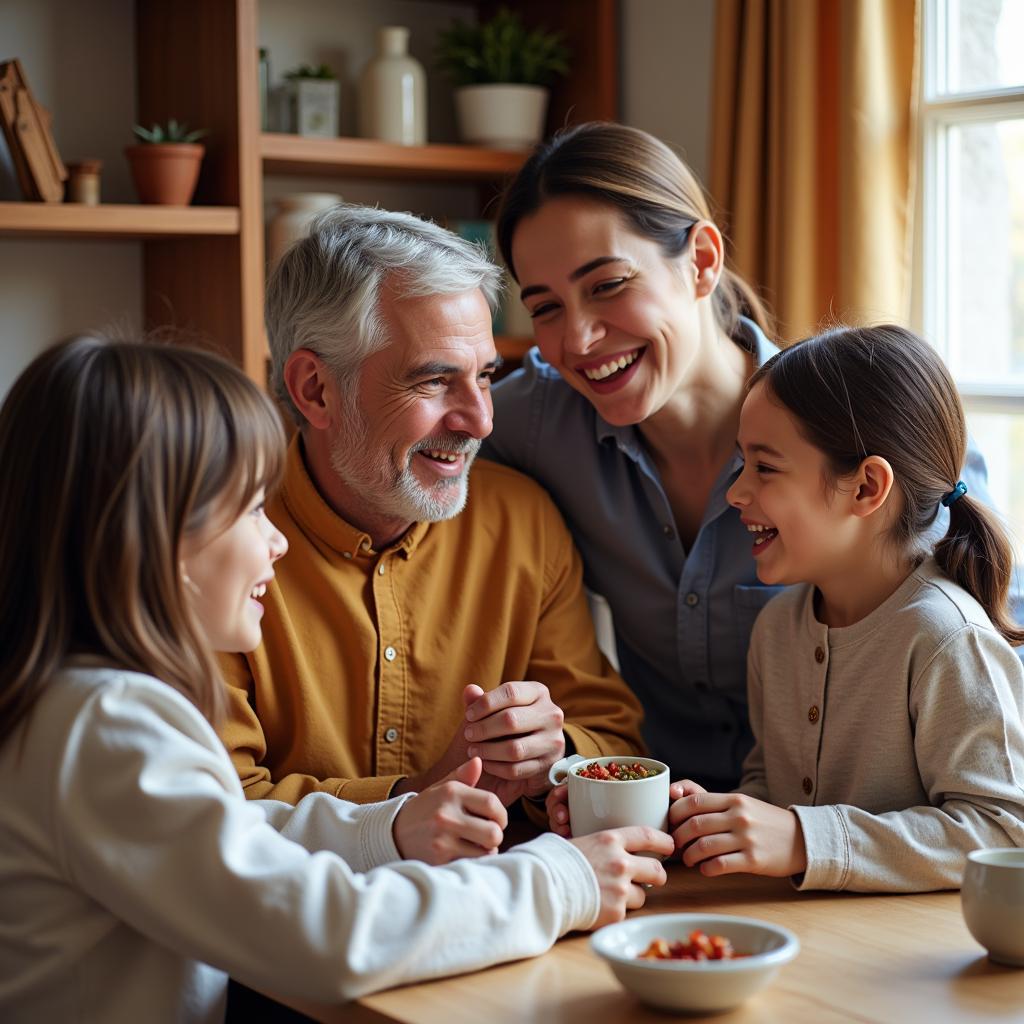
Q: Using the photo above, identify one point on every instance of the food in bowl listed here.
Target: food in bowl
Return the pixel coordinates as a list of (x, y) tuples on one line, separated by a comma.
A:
[(699, 946), (694, 986), (615, 772)]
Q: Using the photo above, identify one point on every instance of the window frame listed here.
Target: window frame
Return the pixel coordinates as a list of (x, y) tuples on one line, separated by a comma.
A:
[(940, 110)]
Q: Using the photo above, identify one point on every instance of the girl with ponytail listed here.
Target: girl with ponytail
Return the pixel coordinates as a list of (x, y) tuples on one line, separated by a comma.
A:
[(885, 696)]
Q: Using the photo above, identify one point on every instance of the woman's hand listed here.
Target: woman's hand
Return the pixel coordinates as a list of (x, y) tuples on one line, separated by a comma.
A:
[(451, 819), (621, 874), (725, 833)]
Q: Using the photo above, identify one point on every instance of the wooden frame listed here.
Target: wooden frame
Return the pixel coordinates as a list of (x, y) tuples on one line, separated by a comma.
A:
[(26, 127)]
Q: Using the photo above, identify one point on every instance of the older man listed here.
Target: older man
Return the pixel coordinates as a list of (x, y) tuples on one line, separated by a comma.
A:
[(420, 618)]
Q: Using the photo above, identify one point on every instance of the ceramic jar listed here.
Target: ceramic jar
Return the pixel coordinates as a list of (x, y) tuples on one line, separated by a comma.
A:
[(292, 219), (393, 92), (84, 182)]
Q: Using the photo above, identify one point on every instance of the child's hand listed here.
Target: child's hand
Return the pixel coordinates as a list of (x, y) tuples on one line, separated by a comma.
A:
[(621, 875), (684, 787), (451, 819), (729, 832), (557, 806)]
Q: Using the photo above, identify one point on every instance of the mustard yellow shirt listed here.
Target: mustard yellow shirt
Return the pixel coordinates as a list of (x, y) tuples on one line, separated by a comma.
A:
[(358, 681)]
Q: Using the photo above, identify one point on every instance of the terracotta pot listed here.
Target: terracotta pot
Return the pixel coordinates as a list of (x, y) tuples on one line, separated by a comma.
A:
[(165, 172)]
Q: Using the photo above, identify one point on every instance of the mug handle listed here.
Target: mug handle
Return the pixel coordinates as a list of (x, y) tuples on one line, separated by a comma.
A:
[(559, 771)]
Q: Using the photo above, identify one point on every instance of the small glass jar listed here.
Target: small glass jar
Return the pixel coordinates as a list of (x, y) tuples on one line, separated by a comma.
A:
[(83, 184)]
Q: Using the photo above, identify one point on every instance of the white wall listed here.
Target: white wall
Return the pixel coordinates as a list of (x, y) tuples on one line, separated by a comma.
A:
[(667, 52), (80, 62)]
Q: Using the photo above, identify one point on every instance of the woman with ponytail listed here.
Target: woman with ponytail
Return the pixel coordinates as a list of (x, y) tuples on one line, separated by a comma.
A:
[(626, 412), (885, 696)]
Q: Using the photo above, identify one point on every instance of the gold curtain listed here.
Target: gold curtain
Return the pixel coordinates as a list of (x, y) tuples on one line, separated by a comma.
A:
[(813, 152)]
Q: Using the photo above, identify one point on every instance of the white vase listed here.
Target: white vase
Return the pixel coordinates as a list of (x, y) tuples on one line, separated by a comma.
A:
[(294, 215), (504, 116), (393, 92)]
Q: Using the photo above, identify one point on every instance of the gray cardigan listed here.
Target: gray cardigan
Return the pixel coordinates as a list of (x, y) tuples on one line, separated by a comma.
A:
[(898, 741)]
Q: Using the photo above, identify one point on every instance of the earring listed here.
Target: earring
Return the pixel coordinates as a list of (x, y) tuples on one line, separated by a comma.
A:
[(187, 580)]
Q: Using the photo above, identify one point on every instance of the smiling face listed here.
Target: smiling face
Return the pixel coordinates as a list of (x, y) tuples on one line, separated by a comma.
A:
[(423, 405), (226, 573), (801, 529), (616, 318)]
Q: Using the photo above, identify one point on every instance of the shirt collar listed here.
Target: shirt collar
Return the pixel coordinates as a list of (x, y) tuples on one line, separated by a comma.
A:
[(307, 506), (628, 439)]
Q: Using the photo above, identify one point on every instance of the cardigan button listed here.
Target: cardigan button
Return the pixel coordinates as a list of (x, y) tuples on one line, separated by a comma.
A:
[(812, 714), (807, 785), (819, 654)]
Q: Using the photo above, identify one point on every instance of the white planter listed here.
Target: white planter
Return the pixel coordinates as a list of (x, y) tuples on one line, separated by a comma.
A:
[(503, 116), (315, 105)]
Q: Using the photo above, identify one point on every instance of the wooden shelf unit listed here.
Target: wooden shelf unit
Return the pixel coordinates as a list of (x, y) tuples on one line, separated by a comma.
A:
[(348, 158), (204, 267), (112, 221)]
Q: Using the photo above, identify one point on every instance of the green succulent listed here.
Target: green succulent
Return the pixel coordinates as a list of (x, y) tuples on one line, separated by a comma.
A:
[(309, 71), (501, 50), (173, 131)]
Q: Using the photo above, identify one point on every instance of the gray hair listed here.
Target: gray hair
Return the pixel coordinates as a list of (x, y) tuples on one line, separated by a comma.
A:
[(324, 292)]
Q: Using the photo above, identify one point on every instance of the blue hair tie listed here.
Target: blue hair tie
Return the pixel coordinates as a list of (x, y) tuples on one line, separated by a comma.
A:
[(956, 494)]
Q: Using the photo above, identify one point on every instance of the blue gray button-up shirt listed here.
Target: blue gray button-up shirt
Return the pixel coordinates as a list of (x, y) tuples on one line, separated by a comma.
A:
[(682, 618)]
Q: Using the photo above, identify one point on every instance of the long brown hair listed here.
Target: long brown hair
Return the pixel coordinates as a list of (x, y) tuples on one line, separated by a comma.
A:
[(111, 452), (641, 178), (860, 391)]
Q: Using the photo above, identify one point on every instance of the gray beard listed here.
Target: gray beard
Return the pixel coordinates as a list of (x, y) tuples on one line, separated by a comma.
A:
[(368, 473)]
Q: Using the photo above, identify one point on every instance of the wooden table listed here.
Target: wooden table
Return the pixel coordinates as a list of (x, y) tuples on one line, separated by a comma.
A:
[(885, 959)]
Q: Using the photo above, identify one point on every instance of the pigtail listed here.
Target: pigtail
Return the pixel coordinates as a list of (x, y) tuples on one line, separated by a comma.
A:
[(976, 555)]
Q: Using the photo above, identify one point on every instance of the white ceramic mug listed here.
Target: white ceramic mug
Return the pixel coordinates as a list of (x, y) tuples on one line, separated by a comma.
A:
[(992, 898), (596, 804)]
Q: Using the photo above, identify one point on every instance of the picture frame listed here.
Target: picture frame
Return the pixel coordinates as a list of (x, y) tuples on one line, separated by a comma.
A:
[(26, 128)]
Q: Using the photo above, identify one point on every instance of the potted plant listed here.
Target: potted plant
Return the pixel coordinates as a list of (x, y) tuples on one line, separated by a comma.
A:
[(313, 92), (165, 162), (501, 70)]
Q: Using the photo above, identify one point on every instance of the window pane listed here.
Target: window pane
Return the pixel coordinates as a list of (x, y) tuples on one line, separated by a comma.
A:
[(983, 264), (982, 45), (1001, 440)]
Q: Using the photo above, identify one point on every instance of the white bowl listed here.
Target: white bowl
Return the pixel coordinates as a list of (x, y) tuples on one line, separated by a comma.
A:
[(695, 985)]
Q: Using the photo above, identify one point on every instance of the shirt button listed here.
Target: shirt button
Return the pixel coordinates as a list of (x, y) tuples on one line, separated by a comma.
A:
[(390, 653), (819, 654), (668, 531), (380, 569), (346, 554), (391, 735), (812, 713), (692, 599), (807, 785)]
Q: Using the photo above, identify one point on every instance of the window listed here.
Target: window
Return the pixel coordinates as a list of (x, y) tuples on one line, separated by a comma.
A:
[(969, 289)]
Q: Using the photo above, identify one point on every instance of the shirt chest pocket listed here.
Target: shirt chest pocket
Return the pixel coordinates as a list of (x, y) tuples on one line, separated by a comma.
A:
[(747, 604)]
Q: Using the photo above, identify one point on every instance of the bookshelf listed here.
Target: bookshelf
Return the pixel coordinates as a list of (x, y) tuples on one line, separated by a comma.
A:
[(203, 266)]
